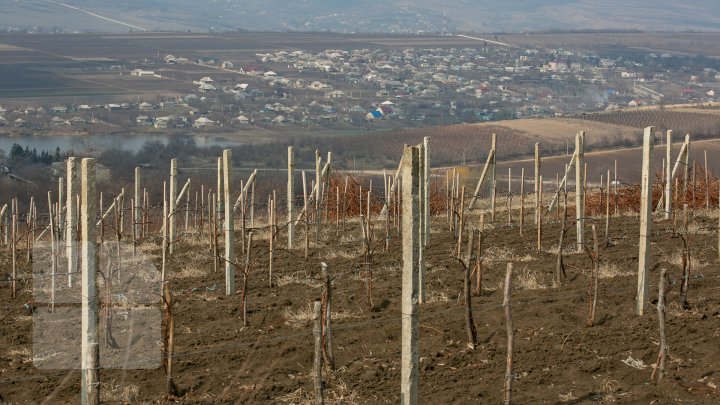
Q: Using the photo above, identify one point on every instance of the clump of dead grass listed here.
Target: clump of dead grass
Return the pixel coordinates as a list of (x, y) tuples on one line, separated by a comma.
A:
[(113, 392)]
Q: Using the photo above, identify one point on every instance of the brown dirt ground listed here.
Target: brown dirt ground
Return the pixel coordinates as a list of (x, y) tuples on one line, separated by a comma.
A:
[(557, 358)]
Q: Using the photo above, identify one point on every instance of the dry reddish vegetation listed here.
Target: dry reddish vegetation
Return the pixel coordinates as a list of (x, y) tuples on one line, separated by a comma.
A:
[(557, 358), (695, 123)]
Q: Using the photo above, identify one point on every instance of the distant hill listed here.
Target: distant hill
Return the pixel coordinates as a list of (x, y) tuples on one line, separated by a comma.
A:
[(398, 16)]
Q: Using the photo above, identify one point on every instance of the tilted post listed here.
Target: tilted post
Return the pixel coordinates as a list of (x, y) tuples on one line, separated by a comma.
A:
[(229, 224), (71, 214), (580, 189), (90, 384), (645, 220), (291, 197), (173, 203), (410, 233)]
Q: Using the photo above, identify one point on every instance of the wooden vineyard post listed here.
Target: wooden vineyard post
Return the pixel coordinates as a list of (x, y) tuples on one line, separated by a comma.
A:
[(291, 198), (664, 352), (219, 193), (90, 383), (136, 205), (645, 221), (507, 397), (469, 323), (71, 214), (615, 188), (668, 175), (718, 223), (707, 184), (410, 238), (580, 190), (173, 196), (229, 224), (327, 314), (317, 358), (537, 183), (594, 278)]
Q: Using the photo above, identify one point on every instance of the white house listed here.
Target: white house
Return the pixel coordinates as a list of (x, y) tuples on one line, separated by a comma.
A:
[(141, 72), (203, 122)]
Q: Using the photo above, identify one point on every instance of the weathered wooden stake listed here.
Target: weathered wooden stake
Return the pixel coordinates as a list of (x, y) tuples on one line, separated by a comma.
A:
[(664, 351), (317, 363), (645, 221), (507, 397), (90, 383), (469, 323), (410, 234), (327, 324)]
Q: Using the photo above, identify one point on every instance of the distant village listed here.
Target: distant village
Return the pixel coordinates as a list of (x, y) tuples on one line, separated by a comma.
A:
[(381, 88)]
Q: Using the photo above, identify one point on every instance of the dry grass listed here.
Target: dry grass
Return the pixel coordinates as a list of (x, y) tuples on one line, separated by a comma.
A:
[(609, 270), (298, 278), (529, 280), (302, 317), (114, 392), (504, 254)]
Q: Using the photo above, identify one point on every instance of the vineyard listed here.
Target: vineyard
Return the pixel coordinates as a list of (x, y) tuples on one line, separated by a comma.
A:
[(701, 125), (427, 286)]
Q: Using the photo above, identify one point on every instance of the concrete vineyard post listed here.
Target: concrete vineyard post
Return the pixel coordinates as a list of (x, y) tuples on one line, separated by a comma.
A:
[(422, 222), (410, 238), (229, 224), (426, 190), (493, 178), (686, 174), (580, 189), (173, 196), (537, 183), (317, 195), (291, 197), (668, 175), (136, 217), (90, 384), (71, 213), (645, 220), (707, 184)]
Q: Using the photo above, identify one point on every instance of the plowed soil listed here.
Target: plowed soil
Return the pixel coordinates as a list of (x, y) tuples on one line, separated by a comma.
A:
[(558, 359)]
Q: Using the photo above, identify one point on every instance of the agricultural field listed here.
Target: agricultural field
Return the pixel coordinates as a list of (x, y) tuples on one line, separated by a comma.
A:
[(256, 345)]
